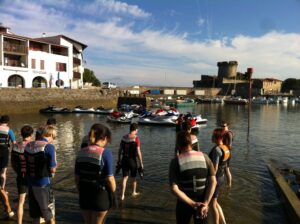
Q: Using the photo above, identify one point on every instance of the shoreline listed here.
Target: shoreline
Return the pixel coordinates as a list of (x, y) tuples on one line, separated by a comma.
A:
[(21, 101)]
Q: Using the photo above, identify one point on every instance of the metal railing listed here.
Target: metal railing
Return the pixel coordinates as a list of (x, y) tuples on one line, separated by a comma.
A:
[(14, 48)]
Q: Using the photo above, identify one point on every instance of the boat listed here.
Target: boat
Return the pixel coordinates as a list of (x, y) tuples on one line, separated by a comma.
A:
[(259, 100), (121, 117), (101, 110), (185, 102), (55, 110), (200, 120), (235, 101), (159, 120), (80, 109), (284, 179), (208, 100)]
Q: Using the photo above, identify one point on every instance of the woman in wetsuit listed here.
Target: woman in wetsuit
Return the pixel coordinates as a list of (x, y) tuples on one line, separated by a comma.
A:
[(94, 176)]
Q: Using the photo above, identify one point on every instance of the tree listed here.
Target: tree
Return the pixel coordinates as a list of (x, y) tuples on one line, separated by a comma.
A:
[(290, 84), (89, 76)]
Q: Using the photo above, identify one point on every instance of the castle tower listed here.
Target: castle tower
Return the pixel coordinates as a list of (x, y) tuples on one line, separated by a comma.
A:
[(227, 69)]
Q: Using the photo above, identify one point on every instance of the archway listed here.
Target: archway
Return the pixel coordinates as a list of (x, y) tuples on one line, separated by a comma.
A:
[(39, 82), (16, 81)]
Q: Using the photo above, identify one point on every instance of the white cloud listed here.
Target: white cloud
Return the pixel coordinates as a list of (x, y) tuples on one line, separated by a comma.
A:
[(200, 22), (117, 50)]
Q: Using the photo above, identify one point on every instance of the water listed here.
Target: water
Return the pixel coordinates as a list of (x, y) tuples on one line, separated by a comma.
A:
[(274, 134)]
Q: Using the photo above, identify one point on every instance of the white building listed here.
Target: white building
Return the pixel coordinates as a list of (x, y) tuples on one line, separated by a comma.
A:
[(47, 62)]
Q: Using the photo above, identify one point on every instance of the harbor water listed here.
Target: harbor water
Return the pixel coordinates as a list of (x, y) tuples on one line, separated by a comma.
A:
[(253, 199)]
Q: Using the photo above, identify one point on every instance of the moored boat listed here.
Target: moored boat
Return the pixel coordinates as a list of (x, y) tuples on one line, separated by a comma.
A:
[(101, 110), (80, 109), (235, 101), (55, 110)]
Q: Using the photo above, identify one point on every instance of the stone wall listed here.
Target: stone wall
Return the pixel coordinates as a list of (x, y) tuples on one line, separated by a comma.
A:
[(32, 100)]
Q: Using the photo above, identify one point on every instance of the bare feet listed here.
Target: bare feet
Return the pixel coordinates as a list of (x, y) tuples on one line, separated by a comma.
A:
[(134, 194)]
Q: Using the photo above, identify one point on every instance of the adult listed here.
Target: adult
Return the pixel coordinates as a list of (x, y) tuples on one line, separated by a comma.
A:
[(7, 136), (38, 134), (130, 149), (41, 164), (94, 176), (227, 140), (192, 180), (18, 163), (219, 155)]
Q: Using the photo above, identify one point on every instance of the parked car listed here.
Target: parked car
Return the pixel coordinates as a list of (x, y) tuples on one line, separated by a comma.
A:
[(109, 85)]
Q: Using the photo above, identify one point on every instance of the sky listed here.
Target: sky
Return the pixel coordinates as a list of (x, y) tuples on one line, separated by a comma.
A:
[(168, 42)]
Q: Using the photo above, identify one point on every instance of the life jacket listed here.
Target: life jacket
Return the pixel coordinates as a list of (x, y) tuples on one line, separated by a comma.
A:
[(129, 147), (193, 173), (89, 164), (4, 137), (223, 160), (18, 160), (37, 165)]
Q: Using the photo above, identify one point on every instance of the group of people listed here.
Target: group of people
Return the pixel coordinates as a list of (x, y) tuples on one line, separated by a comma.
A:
[(196, 178), (34, 162)]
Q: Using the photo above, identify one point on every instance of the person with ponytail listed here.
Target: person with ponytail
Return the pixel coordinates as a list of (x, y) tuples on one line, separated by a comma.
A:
[(94, 176)]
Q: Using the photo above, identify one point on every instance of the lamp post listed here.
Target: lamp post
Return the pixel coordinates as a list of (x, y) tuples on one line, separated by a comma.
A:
[(249, 73)]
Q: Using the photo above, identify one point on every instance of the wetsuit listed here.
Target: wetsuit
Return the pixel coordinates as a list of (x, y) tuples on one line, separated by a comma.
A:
[(6, 136), (18, 163), (190, 171), (93, 165), (129, 147), (40, 159), (219, 155)]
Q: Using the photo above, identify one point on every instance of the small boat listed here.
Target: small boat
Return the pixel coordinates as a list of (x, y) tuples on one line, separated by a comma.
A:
[(259, 100), (284, 179), (121, 117), (101, 110), (80, 109), (200, 120), (159, 120), (55, 110), (185, 102), (235, 101)]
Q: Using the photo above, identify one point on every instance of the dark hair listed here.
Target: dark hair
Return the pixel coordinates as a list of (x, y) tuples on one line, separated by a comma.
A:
[(99, 132), (224, 124), (39, 132), (183, 139), (186, 126), (4, 119), (26, 131), (133, 127), (51, 121), (218, 133)]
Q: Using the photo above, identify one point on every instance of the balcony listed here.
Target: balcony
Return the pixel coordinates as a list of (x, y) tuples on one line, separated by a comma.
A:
[(76, 61), (14, 48), (76, 75)]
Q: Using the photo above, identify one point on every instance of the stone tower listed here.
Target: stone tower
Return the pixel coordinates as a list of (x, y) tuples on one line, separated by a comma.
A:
[(227, 69)]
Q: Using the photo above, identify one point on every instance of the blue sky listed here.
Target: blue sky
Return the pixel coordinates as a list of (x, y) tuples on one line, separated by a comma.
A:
[(168, 42)]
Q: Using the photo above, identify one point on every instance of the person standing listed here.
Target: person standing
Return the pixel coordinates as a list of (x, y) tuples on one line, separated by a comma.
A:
[(41, 164), (7, 136), (192, 180), (94, 176), (130, 149), (227, 140), (219, 156), (18, 163)]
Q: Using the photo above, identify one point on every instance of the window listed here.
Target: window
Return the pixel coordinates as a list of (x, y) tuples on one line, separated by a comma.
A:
[(33, 63), (61, 67), (42, 65)]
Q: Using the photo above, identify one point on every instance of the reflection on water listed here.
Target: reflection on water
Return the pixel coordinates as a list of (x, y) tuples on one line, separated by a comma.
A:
[(274, 133)]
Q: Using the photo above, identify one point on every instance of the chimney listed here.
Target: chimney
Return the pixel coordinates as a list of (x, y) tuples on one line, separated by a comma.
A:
[(4, 28)]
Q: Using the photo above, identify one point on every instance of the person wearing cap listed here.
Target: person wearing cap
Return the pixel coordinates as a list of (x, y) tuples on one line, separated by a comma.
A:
[(130, 149), (227, 140), (7, 136)]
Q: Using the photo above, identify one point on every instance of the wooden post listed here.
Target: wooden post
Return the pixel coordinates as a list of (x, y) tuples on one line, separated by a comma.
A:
[(249, 72)]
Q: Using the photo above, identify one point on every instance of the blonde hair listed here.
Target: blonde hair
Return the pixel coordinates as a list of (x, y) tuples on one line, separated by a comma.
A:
[(49, 131)]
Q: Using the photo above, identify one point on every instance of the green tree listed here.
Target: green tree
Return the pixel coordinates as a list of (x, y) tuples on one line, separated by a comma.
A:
[(89, 76), (290, 84)]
